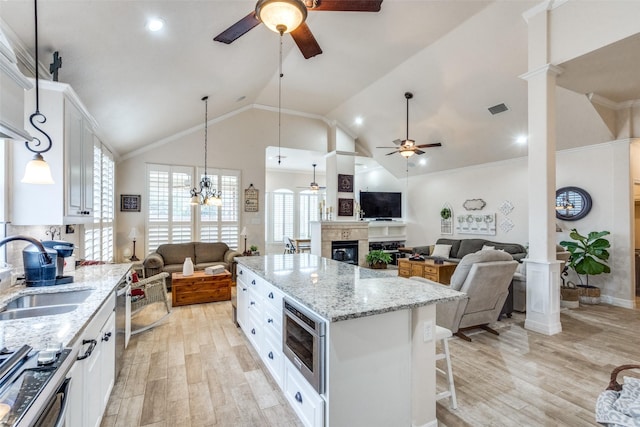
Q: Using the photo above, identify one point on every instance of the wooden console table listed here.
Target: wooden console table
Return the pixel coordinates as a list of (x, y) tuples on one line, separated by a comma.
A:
[(200, 287), (428, 269)]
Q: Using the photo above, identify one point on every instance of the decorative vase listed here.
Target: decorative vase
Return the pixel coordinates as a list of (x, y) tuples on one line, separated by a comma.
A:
[(187, 267)]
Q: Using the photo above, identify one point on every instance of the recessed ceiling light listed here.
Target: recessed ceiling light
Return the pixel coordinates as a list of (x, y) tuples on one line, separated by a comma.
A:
[(522, 139), (358, 120), (155, 24), (423, 162)]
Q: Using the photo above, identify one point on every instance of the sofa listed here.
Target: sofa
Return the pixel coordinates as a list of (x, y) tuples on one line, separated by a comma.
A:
[(170, 257), (462, 247)]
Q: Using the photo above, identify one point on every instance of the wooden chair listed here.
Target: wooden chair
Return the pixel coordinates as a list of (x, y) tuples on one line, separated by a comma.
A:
[(149, 291)]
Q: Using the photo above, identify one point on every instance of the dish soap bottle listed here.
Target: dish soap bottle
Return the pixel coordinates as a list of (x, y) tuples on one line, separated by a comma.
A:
[(187, 267)]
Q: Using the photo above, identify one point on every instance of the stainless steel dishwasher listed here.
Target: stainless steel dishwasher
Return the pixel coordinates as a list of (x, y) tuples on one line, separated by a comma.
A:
[(123, 319)]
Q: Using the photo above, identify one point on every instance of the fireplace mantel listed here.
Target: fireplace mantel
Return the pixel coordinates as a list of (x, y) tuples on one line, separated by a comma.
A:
[(325, 232)]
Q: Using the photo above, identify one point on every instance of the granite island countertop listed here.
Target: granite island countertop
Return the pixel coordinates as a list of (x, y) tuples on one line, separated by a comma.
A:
[(65, 328), (339, 291)]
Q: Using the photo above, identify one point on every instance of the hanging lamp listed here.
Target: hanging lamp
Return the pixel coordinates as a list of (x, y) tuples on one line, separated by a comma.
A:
[(37, 170), (206, 194)]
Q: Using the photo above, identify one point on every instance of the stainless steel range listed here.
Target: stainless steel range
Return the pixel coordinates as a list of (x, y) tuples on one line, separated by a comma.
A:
[(33, 387)]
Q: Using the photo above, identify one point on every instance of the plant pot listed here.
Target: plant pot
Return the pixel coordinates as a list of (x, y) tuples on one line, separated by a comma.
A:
[(589, 294), (378, 265), (570, 297)]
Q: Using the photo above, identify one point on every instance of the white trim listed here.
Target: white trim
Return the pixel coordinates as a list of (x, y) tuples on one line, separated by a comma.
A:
[(543, 69), (618, 302), (594, 98), (542, 7), (433, 423)]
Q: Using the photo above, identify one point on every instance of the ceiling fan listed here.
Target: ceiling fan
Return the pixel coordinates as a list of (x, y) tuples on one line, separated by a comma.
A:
[(288, 16), (314, 185), (408, 147)]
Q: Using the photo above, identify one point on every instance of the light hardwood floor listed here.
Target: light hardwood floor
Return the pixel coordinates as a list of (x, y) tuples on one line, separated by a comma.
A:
[(197, 369)]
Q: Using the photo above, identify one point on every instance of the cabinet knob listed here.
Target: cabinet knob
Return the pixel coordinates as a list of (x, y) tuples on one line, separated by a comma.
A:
[(253, 331), (269, 320), (271, 295), (106, 336), (244, 289), (271, 355), (298, 397), (252, 303), (253, 282), (240, 272)]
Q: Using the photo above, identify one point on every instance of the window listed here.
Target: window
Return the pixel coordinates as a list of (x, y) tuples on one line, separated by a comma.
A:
[(282, 215), (308, 210), (172, 219), (99, 235)]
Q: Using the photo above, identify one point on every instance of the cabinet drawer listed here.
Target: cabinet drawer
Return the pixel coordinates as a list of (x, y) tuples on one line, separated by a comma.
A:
[(404, 271), (303, 398), (273, 357), (273, 321), (254, 331), (272, 296), (430, 270)]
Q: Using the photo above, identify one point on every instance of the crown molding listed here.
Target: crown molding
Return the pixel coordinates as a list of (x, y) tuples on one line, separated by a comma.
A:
[(545, 6), (545, 69)]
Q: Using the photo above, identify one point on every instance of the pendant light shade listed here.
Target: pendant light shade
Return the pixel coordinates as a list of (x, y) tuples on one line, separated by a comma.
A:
[(37, 171), (281, 16)]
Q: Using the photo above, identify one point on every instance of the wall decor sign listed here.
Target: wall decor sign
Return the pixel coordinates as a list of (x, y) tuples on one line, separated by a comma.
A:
[(129, 203), (345, 183), (474, 204), (345, 207), (251, 199), (476, 224)]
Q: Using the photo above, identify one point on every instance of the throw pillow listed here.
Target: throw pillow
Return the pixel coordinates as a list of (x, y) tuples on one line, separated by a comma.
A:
[(441, 251), (485, 247)]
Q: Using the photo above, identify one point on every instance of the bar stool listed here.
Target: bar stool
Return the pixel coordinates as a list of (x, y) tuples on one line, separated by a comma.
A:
[(443, 334)]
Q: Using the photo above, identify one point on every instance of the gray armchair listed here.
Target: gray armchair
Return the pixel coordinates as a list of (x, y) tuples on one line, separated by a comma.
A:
[(485, 277)]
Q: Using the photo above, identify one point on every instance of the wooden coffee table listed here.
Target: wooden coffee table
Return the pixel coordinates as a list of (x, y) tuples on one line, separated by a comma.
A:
[(428, 269), (200, 288)]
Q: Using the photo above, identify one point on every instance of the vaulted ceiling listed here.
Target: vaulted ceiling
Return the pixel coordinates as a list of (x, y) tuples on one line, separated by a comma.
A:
[(457, 57)]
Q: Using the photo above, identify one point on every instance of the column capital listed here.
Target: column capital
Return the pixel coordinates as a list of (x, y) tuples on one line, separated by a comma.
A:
[(547, 69)]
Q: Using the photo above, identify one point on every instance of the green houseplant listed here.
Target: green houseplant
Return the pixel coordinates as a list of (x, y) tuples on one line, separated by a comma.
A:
[(445, 213), (378, 259), (588, 257), (254, 250)]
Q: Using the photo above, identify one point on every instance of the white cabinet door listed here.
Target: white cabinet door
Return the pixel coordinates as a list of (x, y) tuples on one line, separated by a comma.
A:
[(73, 135)]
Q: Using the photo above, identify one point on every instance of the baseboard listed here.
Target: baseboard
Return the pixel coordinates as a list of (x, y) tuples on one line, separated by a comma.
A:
[(433, 423), (618, 302)]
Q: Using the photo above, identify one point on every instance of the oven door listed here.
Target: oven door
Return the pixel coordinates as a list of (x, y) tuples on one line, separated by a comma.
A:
[(55, 413), (304, 347)]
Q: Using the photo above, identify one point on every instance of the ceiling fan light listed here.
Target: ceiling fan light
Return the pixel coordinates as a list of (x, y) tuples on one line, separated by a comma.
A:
[(406, 153), (281, 15)]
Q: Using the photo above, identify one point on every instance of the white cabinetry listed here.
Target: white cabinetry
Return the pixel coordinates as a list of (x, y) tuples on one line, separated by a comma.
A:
[(93, 374), (70, 199), (260, 316)]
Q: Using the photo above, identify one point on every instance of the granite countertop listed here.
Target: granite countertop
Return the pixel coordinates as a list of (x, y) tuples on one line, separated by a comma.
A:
[(339, 291), (65, 328)]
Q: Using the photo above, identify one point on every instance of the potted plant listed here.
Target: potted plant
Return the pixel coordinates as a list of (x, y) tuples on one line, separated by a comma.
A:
[(378, 259), (589, 255), (254, 250)]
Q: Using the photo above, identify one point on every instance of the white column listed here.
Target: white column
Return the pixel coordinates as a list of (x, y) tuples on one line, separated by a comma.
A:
[(543, 271)]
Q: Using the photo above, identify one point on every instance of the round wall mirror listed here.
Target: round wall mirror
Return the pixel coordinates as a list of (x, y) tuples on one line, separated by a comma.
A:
[(572, 203)]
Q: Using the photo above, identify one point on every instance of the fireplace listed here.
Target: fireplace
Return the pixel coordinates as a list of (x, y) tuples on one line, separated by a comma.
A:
[(345, 251)]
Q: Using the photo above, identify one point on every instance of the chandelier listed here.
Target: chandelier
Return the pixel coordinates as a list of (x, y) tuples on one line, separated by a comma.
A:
[(207, 194)]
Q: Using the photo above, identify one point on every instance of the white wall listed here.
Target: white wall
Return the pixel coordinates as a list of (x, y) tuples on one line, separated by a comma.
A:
[(238, 142), (603, 170)]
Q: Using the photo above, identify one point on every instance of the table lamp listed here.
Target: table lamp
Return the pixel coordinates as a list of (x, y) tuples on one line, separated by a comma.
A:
[(133, 235), (244, 234)]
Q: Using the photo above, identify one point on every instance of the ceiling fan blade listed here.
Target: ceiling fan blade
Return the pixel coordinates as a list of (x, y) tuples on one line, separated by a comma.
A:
[(397, 141), (437, 144), (305, 41), (418, 152), (393, 152), (345, 5), (238, 29)]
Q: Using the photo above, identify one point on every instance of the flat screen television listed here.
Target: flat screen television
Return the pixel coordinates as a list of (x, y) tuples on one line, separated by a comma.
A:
[(381, 205)]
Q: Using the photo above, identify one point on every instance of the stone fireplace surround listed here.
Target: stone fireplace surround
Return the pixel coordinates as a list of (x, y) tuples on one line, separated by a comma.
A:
[(323, 233)]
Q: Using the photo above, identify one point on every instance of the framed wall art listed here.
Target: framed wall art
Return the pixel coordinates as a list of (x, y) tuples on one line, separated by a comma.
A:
[(129, 203), (345, 207), (345, 183), (251, 199)]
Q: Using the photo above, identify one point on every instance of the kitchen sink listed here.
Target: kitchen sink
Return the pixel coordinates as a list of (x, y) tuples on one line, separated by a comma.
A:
[(23, 313), (49, 299)]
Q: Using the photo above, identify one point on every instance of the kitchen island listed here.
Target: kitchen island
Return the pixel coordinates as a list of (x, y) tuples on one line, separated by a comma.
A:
[(379, 352)]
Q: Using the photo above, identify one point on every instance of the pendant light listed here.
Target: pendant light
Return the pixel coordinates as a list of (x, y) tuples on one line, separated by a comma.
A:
[(37, 170), (207, 194)]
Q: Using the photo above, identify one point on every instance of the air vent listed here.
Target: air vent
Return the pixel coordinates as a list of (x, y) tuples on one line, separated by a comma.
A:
[(497, 109)]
